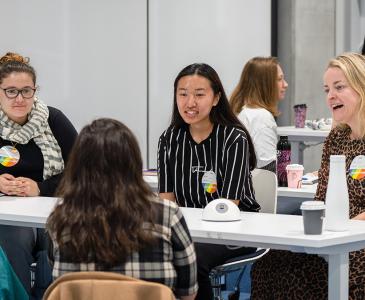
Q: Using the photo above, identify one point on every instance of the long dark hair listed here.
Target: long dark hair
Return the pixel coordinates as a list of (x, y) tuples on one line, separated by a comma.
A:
[(106, 203), (221, 113)]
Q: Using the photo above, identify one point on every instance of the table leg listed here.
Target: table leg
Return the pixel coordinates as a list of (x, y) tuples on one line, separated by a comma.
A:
[(338, 276)]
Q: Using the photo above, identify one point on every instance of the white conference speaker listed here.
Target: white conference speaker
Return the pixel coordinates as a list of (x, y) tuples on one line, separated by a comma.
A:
[(221, 210)]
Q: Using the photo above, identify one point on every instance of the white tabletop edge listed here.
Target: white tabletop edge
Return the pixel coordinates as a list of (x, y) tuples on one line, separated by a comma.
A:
[(293, 131), (255, 229), (293, 238)]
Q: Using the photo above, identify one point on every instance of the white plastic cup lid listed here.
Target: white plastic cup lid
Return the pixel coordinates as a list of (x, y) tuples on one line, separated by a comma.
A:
[(295, 167), (312, 205)]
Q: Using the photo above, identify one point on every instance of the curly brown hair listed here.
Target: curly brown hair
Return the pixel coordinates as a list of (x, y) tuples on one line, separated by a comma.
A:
[(105, 204), (13, 62)]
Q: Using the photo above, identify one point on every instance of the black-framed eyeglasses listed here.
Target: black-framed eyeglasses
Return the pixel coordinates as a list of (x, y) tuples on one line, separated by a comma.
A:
[(12, 93)]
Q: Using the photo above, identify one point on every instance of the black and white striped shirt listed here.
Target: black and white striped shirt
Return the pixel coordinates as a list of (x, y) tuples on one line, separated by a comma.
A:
[(218, 167)]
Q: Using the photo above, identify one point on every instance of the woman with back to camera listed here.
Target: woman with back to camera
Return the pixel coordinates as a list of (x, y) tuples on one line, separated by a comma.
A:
[(110, 220), (286, 275), (255, 101), (205, 154), (35, 143)]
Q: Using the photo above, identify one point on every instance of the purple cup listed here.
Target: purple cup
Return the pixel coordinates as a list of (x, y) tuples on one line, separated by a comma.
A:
[(300, 111)]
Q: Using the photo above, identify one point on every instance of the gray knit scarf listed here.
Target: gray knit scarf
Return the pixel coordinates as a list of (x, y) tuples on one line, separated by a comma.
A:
[(36, 128)]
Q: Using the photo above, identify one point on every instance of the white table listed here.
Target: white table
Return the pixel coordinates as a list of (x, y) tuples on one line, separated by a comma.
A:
[(255, 229), (307, 192), (297, 137), (25, 211), (284, 232), (288, 201), (152, 181)]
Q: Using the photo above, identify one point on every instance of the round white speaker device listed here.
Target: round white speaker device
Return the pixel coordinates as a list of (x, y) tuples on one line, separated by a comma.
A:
[(221, 210)]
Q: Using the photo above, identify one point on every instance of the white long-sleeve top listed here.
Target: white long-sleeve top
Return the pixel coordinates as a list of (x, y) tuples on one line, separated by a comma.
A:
[(262, 127)]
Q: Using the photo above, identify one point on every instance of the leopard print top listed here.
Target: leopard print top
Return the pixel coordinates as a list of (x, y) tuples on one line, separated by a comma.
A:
[(339, 143), (288, 275)]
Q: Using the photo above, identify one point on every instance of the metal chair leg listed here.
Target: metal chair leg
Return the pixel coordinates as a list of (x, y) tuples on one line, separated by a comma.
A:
[(215, 279)]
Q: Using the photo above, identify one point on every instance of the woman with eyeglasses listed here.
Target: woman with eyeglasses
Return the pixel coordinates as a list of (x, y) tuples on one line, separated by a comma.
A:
[(35, 141)]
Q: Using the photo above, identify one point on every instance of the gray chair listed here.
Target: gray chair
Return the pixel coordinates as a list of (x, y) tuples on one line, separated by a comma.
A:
[(265, 186)]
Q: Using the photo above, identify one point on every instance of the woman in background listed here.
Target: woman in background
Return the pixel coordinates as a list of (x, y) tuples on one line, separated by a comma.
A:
[(206, 154), (110, 220), (35, 141), (255, 101), (287, 275)]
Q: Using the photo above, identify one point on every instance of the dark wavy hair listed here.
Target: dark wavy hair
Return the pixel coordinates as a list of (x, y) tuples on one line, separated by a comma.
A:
[(105, 204), (13, 62), (221, 113)]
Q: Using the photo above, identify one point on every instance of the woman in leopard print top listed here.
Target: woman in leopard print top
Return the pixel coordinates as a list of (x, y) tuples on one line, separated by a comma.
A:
[(287, 275)]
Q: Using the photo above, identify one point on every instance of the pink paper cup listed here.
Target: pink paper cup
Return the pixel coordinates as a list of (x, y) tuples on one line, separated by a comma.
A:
[(294, 174)]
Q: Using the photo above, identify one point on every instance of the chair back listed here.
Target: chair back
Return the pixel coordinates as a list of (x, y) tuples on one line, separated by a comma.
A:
[(265, 185), (105, 285)]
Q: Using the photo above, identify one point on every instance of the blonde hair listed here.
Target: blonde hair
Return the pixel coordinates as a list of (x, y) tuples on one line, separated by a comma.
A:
[(353, 67), (257, 86)]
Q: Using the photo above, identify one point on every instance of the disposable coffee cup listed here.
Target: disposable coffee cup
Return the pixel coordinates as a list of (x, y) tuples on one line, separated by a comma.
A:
[(300, 112), (313, 214), (294, 174)]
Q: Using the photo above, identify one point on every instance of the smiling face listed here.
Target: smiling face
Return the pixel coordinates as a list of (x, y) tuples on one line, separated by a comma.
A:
[(16, 109), (195, 99), (342, 99), (282, 84)]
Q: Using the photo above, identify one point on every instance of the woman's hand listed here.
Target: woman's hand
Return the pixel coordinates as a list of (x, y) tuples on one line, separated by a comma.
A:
[(6, 183), (18, 186), (9, 185), (168, 196), (360, 217), (28, 187)]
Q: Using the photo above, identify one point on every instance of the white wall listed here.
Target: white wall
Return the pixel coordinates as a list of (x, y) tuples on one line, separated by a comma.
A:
[(223, 33), (350, 25), (304, 52), (92, 57)]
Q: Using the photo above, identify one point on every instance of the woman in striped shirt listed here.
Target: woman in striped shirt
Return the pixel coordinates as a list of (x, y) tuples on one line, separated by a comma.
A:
[(205, 154)]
